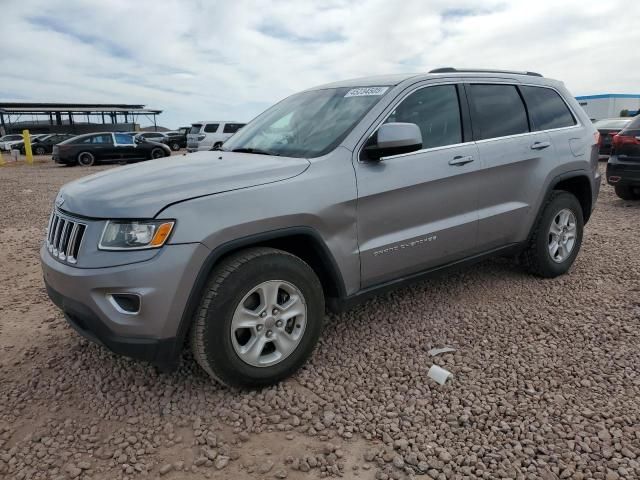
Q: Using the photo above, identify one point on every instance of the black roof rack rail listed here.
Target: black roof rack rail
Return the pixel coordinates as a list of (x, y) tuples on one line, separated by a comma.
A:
[(473, 70)]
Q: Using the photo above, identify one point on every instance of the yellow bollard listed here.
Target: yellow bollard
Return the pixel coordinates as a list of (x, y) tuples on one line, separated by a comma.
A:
[(1, 160), (27, 146)]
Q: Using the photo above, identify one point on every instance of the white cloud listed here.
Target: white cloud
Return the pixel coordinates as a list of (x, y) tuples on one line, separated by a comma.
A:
[(202, 59)]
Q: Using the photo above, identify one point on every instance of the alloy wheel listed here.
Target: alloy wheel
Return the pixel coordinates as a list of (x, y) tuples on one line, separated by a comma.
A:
[(269, 323), (562, 235)]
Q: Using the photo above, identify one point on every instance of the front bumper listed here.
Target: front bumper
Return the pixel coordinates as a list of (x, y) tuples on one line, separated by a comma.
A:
[(163, 284), (626, 172)]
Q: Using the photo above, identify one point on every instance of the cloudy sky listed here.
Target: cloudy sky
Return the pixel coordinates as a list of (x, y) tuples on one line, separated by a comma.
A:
[(205, 59)]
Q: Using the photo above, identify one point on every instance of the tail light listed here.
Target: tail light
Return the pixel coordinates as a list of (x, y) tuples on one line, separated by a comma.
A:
[(598, 138), (619, 140), (201, 137)]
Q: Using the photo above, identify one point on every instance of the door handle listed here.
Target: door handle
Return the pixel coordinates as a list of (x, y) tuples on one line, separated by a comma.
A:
[(540, 145), (459, 160)]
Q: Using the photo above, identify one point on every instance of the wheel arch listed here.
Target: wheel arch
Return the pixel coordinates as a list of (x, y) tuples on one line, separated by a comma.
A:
[(578, 184), (303, 242)]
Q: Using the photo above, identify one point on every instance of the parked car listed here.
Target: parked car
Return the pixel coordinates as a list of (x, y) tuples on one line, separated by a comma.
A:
[(177, 139), (159, 137), (608, 127), (89, 149), (623, 167), (207, 135), (7, 141), (44, 144), (331, 195)]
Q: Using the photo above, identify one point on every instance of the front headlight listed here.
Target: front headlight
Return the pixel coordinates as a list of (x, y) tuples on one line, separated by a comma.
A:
[(135, 235)]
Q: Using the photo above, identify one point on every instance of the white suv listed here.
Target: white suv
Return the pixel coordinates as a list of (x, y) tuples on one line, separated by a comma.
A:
[(206, 135)]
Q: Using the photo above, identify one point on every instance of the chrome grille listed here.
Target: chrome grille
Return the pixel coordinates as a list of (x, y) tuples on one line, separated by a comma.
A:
[(64, 237)]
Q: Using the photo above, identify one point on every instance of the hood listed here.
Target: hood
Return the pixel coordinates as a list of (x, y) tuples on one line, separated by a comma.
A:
[(142, 190)]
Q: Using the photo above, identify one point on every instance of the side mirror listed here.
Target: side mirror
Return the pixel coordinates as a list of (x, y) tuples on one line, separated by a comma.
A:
[(393, 139)]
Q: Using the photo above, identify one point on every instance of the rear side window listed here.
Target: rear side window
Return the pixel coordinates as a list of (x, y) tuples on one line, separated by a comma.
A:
[(195, 128), (98, 139), (547, 109), (436, 111), (232, 127), (211, 127), (497, 111)]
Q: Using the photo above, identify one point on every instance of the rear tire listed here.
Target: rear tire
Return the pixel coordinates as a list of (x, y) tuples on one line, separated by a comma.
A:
[(242, 338), (556, 238), (86, 159), (175, 146), (40, 151), (626, 192)]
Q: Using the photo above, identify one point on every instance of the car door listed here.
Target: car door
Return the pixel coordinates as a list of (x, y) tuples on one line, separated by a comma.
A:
[(511, 156), (211, 136), (126, 146), (417, 211), (102, 146)]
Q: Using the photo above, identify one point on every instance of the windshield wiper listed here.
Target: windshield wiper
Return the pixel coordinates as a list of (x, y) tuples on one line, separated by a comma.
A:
[(256, 151)]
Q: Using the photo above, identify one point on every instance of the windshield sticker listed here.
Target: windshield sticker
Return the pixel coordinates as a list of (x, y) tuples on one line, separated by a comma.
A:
[(366, 91)]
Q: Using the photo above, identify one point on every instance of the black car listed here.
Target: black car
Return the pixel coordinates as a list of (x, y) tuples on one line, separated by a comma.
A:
[(44, 145), (93, 148), (608, 127), (177, 139), (623, 168)]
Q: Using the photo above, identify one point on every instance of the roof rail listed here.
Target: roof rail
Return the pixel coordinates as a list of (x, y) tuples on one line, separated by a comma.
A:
[(479, 70)]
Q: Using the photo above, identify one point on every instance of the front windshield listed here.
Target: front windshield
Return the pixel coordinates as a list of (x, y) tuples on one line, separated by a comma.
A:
[(308, 124)]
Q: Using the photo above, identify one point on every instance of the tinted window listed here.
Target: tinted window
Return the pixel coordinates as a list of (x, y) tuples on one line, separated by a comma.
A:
[(497, 111), (232, 127), (211, 127), (97, 139), (195, 129), (546, 108), (436, 111), (123, 139)]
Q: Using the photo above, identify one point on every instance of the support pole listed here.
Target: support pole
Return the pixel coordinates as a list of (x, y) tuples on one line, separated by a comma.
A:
[(27, 146)]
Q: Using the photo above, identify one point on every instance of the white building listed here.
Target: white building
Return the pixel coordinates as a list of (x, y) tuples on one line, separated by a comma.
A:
[(609, 105)]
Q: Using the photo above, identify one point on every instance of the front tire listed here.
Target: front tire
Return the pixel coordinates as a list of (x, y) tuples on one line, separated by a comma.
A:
[(259, 319), (175, 146), (86, 159), (557, 236), (626, 192), (157, 153), (40, 151)]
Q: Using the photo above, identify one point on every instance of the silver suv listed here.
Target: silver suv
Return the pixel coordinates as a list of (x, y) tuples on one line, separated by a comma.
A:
[(332, 194)]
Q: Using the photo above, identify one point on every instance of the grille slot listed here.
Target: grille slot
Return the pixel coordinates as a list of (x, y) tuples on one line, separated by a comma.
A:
[(64, 237)]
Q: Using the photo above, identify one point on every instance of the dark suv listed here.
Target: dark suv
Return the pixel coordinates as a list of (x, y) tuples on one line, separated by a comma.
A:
[(177, 139), (623, 168), (86, 150)]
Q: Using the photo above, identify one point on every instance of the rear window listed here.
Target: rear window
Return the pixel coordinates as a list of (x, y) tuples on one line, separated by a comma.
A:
[(547, 109), (195, 128), (232, 127), (211, 127), (497, 111)]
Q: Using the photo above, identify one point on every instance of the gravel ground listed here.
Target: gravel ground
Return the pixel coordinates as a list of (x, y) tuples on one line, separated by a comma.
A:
[(545, 381)]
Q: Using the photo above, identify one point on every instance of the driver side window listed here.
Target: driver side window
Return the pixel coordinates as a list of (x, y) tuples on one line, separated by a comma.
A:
[(436, 111)]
